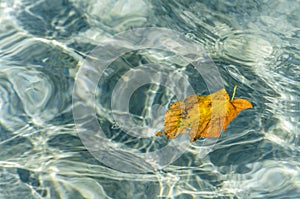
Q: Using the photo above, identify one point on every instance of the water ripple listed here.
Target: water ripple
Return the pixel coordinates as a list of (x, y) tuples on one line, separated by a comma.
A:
[(255, 45), (52, 19)]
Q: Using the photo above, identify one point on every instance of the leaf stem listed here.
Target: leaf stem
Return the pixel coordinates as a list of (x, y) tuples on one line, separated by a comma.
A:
[(234, 90)]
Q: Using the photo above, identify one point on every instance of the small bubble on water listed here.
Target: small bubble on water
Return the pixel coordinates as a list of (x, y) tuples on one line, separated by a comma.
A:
[(115, 126)]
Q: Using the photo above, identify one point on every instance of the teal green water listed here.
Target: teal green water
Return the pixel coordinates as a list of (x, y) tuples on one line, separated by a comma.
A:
[(44, 46)]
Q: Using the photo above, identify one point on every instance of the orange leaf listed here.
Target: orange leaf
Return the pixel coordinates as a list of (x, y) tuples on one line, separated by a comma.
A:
[(204, 116)]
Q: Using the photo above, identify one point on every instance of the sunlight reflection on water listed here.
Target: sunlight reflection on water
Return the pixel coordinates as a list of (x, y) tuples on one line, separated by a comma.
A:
[(255, 45)]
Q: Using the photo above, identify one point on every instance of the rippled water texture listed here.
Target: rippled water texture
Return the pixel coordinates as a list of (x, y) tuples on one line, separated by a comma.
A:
[(254, 44)]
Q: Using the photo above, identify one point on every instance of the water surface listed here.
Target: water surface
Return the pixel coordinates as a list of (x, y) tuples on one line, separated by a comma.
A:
[(254, 44)]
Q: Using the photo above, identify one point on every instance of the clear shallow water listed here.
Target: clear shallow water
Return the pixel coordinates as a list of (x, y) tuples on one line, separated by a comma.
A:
[(254, 45)]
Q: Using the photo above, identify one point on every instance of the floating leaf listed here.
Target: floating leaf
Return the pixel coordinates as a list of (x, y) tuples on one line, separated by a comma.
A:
[(204, 116)]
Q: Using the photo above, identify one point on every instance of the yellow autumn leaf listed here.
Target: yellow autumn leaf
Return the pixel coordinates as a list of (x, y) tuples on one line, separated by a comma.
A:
[(204, 116)]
